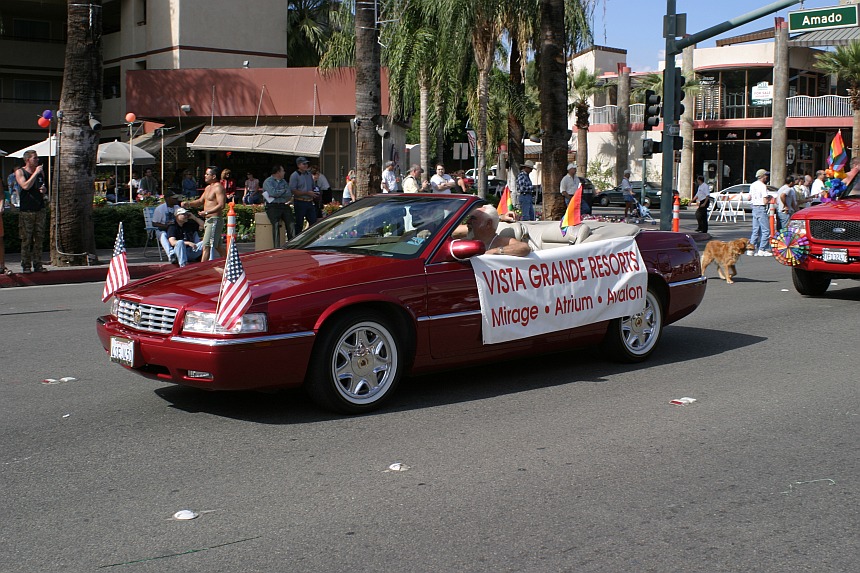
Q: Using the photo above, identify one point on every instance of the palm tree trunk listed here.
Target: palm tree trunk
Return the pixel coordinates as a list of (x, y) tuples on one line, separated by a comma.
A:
[(73, 239), (516, 148), (368, 106), (582, 139), (424, 132), (483, 103), (553, 106), (440, 131)]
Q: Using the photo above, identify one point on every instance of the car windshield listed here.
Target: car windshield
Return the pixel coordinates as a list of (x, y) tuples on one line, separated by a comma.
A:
[(384, 225)]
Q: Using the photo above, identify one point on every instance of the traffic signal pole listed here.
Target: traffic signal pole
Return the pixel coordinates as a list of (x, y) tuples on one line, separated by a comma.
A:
[(673, 27)]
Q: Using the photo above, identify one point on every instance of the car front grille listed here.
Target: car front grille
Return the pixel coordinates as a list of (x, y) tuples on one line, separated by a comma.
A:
[(826, 231), (146, 316)]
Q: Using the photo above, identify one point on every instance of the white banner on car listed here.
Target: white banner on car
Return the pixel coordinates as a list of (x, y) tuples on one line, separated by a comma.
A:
[(560, 288)]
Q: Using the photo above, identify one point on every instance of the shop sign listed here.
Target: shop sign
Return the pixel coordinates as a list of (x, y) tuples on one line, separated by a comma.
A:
[(789, 154), (823, 19), (762, 94)]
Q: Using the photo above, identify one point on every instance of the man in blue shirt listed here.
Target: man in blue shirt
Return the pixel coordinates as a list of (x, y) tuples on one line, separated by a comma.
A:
[(526, 191), (302, 187), (278, 198)]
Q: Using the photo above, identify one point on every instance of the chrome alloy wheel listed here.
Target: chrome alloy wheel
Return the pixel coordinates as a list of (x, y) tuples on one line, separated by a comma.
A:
[(364, 362), (641, 331)]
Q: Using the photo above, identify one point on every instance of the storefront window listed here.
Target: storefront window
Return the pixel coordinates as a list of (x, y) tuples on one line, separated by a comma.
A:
[(760, 80), (734, 99), (758, 157)]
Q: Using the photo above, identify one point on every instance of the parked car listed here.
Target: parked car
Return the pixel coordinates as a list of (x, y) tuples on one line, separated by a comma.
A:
[(363, 298), (614, 196), (833, 232), (738, 196), (495, 185)]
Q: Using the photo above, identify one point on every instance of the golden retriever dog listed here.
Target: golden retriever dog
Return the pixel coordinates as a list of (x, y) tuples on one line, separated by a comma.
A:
[(726, 255)]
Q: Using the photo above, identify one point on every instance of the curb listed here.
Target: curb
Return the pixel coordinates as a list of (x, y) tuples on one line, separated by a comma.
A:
[(74, 275)]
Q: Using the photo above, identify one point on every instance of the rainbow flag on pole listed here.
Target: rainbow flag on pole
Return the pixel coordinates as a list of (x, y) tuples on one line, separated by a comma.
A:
[(837, 158), (573, 215), (506, 203)]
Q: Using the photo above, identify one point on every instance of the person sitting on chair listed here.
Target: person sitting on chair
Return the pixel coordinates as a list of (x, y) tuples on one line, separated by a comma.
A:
[(184, 236)]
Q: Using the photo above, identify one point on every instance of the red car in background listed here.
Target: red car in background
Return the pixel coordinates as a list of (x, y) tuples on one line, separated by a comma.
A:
[(377, 291)]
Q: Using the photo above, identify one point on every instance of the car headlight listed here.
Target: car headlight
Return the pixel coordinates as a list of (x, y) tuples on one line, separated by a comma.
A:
[(797, 225), (204, 323)]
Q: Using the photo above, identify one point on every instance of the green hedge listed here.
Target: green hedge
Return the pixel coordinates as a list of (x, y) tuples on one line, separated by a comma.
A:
[(106, 222)]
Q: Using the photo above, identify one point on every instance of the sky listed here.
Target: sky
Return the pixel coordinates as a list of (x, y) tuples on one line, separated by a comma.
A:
[(637, 25)]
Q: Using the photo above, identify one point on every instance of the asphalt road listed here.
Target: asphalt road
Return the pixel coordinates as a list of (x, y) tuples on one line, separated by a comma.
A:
[(560, 463)]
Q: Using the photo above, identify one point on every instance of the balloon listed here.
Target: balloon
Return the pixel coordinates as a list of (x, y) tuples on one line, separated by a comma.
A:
[(839, 174), (43, 122), (48, 114), (130, 117), (828, 172)]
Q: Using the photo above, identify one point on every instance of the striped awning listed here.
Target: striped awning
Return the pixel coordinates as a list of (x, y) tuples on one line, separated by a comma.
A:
[(278, 139), (836, 37)]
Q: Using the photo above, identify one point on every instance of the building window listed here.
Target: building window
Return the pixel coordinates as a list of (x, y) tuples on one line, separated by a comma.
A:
[(23, 29), (111, 83), (31, 91), (140, 12)]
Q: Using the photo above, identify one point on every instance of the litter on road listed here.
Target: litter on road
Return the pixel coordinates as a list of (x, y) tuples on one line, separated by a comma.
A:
[(682, 401), (184, 515)]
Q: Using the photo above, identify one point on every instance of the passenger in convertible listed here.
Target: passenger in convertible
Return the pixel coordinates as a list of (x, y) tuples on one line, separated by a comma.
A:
[(481, 225)]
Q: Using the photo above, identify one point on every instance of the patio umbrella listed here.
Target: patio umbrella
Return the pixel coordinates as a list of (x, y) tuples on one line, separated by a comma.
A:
[(45, 148), (117, 153)]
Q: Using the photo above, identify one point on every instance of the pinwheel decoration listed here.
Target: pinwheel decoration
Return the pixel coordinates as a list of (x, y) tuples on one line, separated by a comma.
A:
[(790, 247)]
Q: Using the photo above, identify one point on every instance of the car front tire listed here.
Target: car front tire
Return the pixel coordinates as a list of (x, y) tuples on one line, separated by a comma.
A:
[(633, 338), (604, 201), (356, 364), (808, 283)]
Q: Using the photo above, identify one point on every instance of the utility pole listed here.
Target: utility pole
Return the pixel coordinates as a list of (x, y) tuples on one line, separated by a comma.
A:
[(674, 26)]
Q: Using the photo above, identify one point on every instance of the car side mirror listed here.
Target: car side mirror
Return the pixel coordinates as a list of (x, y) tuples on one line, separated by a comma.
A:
[(463, 250)]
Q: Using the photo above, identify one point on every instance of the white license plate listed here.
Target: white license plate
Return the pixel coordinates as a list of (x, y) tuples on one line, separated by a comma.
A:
[(122, 351), (834, 255)]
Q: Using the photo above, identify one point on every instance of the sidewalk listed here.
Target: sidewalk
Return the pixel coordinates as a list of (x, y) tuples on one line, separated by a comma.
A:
[(139, 266)]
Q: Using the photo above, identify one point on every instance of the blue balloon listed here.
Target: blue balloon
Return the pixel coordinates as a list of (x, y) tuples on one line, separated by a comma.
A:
[(47, 114)]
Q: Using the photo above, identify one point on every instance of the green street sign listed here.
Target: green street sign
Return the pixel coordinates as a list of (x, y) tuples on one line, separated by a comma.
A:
[(823, 19)]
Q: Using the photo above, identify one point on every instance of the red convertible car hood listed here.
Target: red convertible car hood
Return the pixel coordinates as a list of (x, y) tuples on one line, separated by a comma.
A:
[(285, 272), (833, 211)]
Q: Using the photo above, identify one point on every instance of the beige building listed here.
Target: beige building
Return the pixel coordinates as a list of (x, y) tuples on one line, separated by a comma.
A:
[(155, 53)]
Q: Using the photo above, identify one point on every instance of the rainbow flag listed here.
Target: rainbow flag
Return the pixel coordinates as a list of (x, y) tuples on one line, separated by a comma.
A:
[(506, 203), (573, 215), (837, 158)]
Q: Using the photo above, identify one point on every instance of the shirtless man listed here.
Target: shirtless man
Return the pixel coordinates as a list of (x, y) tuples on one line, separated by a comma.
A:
[(213, 201), (481, 224)]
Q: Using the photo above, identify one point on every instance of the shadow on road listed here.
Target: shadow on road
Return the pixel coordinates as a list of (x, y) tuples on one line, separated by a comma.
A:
[(679, 344)]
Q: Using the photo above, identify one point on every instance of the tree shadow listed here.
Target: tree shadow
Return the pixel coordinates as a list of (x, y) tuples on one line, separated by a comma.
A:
[(581, 366)]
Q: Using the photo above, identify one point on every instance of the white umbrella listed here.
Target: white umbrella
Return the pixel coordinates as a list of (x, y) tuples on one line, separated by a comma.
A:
[(43, 148), (117, 153)]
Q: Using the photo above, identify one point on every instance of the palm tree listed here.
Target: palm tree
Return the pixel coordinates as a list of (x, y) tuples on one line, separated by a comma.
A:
[(845, 62), (368, 101), (583, 85), (423, 66), (553, 105), (308, 31), (73, 239)]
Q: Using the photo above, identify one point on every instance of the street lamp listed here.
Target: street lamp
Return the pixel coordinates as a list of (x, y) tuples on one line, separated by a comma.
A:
[(130, 118)]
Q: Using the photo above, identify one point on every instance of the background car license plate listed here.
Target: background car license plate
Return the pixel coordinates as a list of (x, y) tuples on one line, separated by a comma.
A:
[(122, 350), (834, 255)]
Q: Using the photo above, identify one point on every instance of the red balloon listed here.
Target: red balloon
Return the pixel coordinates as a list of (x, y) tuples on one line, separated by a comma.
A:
[(43, 122), (130, 117)]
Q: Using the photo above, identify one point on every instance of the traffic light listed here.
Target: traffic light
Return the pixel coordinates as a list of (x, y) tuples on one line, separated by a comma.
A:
[(652, 110), (679, 94), (650, 147)]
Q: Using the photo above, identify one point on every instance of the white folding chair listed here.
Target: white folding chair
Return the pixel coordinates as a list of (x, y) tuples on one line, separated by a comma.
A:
[(151, 232)]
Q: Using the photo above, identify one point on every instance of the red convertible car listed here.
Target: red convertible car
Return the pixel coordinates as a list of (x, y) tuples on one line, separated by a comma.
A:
[(374, 292)]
